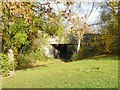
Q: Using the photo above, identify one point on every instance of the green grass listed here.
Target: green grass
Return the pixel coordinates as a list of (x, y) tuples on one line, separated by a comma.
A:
[(90, 73)]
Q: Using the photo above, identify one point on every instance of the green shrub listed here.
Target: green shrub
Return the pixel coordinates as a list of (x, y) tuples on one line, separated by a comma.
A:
[(22, 61), (37, 55), (7, 66), (83, 53), (26, 60), (74, 57)]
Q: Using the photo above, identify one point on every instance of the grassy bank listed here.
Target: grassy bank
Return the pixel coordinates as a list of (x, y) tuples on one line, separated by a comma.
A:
[(90, 73)]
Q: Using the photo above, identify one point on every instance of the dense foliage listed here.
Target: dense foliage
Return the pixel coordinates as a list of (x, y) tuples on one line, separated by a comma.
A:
[(24, 31), (107, 40), (7, 66), (109, 28)]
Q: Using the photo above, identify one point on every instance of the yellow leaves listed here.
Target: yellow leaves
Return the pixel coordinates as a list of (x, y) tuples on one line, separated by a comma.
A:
[(15, 50), (114, 4), (22, 8)]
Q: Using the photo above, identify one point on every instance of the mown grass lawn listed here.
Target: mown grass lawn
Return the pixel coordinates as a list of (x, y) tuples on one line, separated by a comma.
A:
[(90, 73)]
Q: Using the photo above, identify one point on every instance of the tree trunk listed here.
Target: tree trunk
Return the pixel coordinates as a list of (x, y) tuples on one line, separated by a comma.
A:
[(79, 41), (78, 47)]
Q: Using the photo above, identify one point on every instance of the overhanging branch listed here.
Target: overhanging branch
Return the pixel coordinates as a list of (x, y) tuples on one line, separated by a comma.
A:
[(91, 10)]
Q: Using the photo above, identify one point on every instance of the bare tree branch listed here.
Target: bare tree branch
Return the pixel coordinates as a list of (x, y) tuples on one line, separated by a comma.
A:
[(91, 10)]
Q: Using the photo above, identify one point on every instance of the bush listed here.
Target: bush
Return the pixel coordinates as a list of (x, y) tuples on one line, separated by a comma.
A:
[(84, 52), (7, 66), (74, 57), (22, 61), (26, 60), (37, 55)]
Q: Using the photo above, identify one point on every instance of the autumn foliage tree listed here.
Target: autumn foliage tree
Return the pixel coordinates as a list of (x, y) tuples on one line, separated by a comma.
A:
[(109, 28), (21, 22), (79, 23)]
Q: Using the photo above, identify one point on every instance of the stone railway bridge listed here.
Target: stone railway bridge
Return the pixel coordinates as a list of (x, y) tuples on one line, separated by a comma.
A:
[(64, 50)]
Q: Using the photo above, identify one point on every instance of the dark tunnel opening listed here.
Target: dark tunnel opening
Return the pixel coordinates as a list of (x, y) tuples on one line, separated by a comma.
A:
[(64, 51)]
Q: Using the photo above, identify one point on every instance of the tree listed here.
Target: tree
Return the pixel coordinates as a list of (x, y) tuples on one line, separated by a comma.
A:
[(79, 23), (1, 25), (109, 27), (16, 22), (20, 23), (23, 20)]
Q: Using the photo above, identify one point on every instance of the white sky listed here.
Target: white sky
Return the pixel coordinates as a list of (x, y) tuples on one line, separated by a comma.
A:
[(84, 8)]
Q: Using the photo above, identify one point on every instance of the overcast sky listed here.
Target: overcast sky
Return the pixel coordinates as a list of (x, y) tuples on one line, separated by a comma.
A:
[(83, 9)]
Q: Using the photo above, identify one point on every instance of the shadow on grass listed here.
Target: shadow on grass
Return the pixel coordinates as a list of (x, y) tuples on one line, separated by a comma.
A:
[(34, 67), (30, 67)]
